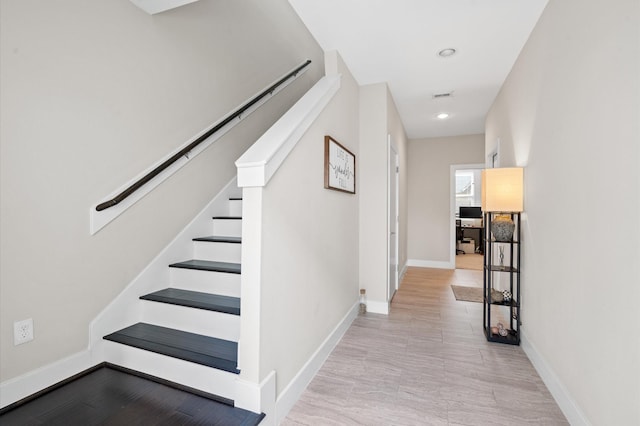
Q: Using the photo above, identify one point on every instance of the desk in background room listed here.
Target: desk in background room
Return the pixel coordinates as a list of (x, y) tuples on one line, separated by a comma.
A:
[(475, 232)]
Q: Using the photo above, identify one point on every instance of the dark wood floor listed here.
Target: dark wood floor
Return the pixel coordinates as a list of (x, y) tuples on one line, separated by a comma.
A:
[(109, 396)]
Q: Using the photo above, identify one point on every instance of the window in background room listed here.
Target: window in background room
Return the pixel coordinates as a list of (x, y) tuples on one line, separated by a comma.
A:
[(468, 189), (464, 184)]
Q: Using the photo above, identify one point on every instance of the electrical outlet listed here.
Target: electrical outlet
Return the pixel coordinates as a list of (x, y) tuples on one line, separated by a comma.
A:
[(22, 331)]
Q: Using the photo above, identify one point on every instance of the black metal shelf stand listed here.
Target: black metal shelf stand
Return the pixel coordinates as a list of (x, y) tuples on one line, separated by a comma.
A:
[(502, 269)]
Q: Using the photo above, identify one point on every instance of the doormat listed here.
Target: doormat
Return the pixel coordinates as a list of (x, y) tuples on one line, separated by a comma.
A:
[(467, 294)]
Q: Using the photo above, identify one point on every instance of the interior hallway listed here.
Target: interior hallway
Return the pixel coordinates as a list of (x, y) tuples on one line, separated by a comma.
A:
[(427, 363)]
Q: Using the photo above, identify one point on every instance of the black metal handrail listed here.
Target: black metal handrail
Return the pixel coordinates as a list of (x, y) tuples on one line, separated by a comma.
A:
[(155, 172)]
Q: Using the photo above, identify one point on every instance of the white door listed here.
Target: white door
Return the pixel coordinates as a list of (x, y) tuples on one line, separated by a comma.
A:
[(392, 218)]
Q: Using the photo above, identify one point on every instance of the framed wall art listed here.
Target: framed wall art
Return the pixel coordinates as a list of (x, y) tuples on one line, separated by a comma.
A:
[(339, 167)]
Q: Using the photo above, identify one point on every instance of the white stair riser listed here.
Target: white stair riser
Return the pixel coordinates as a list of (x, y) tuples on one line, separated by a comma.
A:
[(235, 207), (227, 227), (221, 283), (221, 252), (193, 320), (207, 379)]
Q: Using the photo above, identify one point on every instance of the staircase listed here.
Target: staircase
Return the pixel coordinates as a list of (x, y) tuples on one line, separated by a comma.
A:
[(188, 332)]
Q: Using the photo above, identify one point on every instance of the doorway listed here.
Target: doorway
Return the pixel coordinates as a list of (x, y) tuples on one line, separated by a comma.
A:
[(466, 217)]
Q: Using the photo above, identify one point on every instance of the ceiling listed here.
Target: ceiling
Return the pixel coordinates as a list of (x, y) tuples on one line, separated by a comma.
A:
[(398, 41)]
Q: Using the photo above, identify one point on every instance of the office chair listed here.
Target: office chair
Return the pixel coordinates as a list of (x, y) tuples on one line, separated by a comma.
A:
[(459, 236)]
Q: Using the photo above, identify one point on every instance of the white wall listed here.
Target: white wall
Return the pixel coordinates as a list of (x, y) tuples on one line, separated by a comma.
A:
[(91, 94), (378, 119), (569, 113), (429, 194), (309, 277)]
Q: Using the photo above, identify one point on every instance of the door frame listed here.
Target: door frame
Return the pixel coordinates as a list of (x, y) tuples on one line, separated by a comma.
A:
[(393, 225)]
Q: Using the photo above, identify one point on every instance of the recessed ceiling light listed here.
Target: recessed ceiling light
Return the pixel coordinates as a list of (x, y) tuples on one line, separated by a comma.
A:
[(445, 53), (442, 116)]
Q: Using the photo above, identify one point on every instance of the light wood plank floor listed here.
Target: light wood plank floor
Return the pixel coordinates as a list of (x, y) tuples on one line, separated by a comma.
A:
[(469, 261), (427, 363)]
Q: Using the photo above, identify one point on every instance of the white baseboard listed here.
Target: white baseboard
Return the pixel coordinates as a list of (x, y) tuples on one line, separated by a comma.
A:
[(20, 387), (290, 395), (376, 307), (569, 408), (431, 264), (259, 398)]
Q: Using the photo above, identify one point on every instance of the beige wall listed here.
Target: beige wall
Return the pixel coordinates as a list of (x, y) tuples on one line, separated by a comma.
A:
[(372, 185), (399, 139), (92, 93), (569, 113), (309, 243), (378, 119), (429, 192)]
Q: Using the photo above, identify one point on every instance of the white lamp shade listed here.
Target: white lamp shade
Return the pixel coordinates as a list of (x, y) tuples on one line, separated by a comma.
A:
[(502, 190)]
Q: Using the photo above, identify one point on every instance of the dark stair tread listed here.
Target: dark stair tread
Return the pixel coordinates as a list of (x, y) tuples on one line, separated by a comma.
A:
[(227, 217), (196, 299), (216, 239), (208, 265), (196, 348)]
